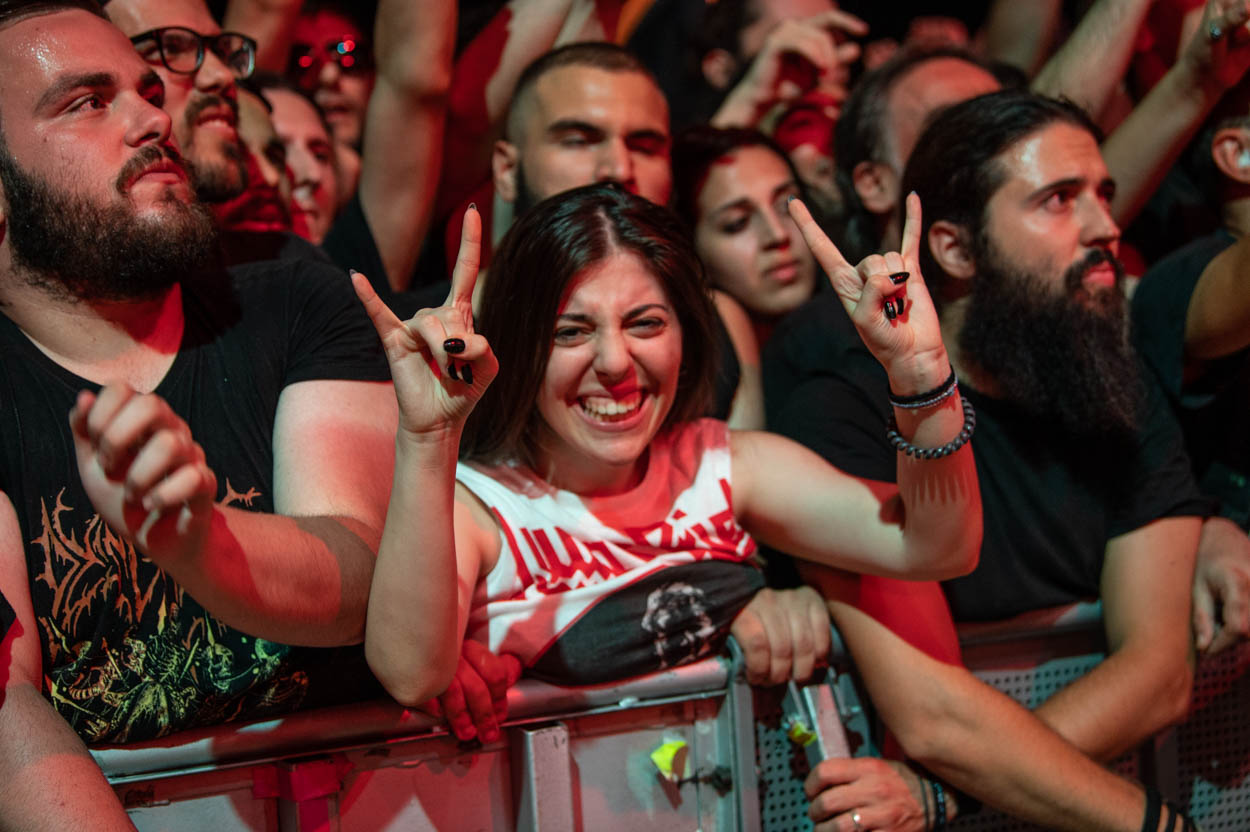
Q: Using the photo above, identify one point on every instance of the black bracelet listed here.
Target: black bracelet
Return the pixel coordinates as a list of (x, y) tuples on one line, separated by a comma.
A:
[(926, 399), (939, 806), (924, 798), (965, 433)]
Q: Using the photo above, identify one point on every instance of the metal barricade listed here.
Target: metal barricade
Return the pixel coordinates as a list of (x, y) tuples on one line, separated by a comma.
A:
[(570, 758)]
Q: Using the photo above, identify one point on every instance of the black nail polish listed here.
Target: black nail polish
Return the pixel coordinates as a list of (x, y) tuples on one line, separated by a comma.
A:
[(451, 371), (455, 346), (466, 373), (899, 278), (889, 310), (902, 303)]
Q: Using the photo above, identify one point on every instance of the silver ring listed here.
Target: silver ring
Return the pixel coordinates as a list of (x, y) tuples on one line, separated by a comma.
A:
[(1214, 32), (857, 822)]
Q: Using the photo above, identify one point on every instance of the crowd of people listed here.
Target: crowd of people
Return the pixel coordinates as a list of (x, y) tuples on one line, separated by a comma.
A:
[(667, 321)]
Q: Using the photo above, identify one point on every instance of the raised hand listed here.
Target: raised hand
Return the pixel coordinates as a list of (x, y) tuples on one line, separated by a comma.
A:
[(1220, 47), (439, 365), (144, 473), (886, 298), (797, 56)]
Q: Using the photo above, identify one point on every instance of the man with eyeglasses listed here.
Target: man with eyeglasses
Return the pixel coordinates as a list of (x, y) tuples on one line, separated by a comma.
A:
[(199, 65)]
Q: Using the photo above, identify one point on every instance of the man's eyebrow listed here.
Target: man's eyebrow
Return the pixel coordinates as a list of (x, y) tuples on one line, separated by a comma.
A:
[(650, 134), (1057, 185), (565, 124), (68, 83)]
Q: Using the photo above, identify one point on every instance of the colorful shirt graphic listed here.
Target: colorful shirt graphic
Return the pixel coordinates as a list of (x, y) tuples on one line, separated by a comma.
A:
[(127, 654)]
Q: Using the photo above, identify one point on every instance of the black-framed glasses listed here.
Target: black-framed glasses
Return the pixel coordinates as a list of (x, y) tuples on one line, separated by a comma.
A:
[(351, 55), (181, 50)]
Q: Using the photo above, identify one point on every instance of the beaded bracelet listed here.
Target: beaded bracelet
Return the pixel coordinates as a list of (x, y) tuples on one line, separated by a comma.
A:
[(926, 399), (939, 806), (965, 433)]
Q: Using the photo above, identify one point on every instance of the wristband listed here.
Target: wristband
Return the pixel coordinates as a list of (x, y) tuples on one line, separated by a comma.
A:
[(927, 398), (939, 806), (965, 433)]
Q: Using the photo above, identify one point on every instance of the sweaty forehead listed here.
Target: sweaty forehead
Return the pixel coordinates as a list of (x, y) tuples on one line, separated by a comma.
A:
[(1055, 153), (38, 51), (619, 101), (135, 16)]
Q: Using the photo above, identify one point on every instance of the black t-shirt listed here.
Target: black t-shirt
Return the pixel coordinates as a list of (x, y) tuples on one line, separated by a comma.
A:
[(351, 245), (239, 247), (127, 654), (1050, 503), (1213, 406)]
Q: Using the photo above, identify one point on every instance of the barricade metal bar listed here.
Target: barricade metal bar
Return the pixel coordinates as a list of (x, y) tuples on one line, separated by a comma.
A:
[(367, 723), (545, 788)]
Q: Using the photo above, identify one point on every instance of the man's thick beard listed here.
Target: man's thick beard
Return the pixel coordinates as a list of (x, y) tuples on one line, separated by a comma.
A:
[(76, 249), (1059, 355)]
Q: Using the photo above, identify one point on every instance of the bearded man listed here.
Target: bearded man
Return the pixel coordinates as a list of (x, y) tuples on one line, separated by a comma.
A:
[(1085, 484), (193, 455)]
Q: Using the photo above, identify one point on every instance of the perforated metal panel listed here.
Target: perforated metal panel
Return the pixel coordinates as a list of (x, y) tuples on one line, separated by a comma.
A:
[(1213, 747), (782, 767)]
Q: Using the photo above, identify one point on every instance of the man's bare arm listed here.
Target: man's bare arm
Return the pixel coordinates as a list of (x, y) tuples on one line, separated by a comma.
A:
[(299, 576), (1090, 64), (965, 731), (1144, 684), (1144, 146), (50, 781), (403, 134)]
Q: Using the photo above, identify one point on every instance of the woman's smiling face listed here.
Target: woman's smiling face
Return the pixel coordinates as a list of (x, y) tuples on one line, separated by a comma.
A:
[(611, 379)]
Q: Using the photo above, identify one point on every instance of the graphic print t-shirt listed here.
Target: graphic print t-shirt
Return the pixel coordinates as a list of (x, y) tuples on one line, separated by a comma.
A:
[(597, 589), (127, 654)]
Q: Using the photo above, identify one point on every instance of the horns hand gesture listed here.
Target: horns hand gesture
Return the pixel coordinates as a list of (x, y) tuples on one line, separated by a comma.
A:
[(885, 296), (440, 366)]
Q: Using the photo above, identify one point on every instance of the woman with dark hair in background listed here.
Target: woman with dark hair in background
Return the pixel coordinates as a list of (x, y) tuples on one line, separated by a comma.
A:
[(595, 527), (732, 186)]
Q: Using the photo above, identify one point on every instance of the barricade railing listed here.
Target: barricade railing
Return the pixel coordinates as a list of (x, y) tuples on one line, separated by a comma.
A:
[(690, 748)]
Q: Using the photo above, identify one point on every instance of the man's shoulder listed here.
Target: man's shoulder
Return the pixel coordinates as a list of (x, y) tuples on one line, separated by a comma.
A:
[(1178, 272)]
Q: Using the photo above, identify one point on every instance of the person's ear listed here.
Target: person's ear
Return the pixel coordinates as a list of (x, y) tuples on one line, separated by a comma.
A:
[(948, 243), (877, 187), (719, 68), (503, 163), (1230, 151)]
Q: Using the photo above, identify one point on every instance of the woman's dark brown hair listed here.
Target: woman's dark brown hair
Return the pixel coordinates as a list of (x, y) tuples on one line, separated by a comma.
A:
[(538, 260)]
